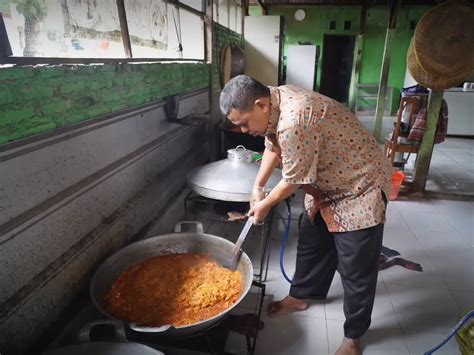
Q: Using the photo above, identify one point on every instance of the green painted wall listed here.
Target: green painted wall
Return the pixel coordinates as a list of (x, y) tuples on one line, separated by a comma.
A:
[(374, 44), (34, 100), (316, 24)]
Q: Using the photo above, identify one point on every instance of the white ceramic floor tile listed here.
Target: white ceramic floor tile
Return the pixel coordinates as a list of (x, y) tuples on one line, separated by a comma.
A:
[(464, 299), (467, 234), (276, 285), (377, 340), (393, 218), (406, 243), (460, 214), (441, 242), (411, 206), (423, 310), (420, 342), (456, 267), (335, 334), (427, 221), (383, 314), (400, 238), (293, 334)]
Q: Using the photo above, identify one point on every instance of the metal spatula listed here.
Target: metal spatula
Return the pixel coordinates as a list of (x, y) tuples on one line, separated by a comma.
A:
[(237, 251)]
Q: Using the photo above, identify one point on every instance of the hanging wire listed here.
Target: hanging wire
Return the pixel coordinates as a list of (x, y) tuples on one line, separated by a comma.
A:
[(178, 32)]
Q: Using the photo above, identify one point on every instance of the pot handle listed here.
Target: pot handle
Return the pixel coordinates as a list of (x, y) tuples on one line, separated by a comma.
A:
[(197, 225), (85, 332), (139, 328)]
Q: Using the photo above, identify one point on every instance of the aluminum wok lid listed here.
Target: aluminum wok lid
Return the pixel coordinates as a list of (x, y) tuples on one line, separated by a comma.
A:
[(229, 179)]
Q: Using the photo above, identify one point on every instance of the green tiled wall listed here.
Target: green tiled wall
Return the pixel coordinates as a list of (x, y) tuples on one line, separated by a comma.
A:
[(34, 100), (316, 25)]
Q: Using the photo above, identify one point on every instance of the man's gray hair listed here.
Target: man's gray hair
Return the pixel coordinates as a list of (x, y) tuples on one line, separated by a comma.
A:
[(240, 93)]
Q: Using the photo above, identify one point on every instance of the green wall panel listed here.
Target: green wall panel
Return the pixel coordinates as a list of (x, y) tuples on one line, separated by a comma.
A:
[(374, 44), (316, 25), (34, 100)]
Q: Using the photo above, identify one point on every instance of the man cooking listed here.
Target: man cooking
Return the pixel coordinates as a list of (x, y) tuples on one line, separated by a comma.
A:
[(325, 150)]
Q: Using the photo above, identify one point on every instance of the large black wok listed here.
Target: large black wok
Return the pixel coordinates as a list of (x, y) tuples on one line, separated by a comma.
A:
[(180, 242)]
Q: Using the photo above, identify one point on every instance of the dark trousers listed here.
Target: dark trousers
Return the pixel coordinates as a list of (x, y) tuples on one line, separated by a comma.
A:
[(354, 254)]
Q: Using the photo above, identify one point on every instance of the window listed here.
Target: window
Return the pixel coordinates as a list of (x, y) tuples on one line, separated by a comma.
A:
[(195, 4), (332, 25), (91, 28), (192, 32), (150, 24), (233, 16), (238, 28), (39, 28), (347, 25), (223, 12), (229, 14)]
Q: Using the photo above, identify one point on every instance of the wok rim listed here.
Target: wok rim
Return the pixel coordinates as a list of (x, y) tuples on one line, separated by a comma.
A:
[(215, 318)]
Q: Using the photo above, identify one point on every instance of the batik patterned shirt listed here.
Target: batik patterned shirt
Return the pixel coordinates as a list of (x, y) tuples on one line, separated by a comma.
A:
[(327, 150)]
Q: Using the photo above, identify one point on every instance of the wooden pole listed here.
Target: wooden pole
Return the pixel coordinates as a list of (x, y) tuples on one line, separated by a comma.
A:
[(425, 150), (124, 29), (245, 8), (208, 28), (394, 6), (358, 56)]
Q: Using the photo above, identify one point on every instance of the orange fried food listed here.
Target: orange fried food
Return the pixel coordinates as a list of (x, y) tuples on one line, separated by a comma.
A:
[(177, 289)]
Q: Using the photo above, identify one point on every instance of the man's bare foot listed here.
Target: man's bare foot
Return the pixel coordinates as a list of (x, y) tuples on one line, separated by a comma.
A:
[(286, 305), (349, 347)]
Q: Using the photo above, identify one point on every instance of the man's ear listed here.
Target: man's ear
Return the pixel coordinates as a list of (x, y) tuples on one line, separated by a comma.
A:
[(263, 104)]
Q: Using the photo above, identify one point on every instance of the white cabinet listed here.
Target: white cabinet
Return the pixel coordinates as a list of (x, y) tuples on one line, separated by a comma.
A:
[(262, 48), (301, 65), (460, 111)]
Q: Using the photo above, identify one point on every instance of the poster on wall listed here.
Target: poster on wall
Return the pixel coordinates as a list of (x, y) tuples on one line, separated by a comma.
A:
[(147, 23), (93, 26)]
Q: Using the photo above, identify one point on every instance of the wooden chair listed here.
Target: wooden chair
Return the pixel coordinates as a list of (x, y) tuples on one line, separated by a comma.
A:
[(397, 142)]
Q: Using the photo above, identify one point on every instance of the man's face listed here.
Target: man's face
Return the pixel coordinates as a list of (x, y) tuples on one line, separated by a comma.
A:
[(254, 122)]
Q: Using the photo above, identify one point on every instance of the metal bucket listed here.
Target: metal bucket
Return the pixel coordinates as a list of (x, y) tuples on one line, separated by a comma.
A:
[(219, 249)]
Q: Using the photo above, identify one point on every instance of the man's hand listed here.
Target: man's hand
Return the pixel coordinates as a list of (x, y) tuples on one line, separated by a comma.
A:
[(260, 211)]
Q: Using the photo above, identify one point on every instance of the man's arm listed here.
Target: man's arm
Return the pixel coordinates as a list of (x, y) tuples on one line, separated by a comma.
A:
[(269, 162)]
